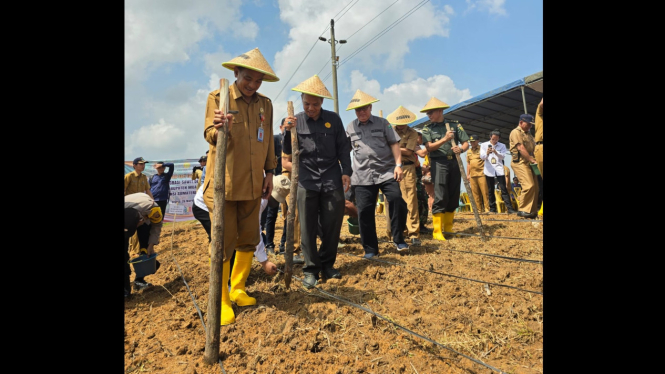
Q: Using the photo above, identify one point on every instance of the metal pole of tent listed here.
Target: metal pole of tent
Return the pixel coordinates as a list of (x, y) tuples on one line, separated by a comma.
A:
[(524, 100)]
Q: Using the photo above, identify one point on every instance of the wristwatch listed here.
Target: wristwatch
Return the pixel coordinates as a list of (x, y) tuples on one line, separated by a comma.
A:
[(400, 165)]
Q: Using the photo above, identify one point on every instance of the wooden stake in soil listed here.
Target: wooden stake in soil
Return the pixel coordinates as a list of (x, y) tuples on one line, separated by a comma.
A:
[(468, 188), (293, 201), (211, 354)]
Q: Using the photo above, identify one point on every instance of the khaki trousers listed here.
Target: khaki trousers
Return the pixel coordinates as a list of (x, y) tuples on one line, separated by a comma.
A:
[(528, 202), (241, 226), (480, 193), (296, 224), (410, 194), (538, 153)]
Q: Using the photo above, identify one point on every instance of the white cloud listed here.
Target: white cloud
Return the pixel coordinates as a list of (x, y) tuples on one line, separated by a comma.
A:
[(490, 6), (412, 95), (159, 32), (448, 9), (387, 53), (409, 74)]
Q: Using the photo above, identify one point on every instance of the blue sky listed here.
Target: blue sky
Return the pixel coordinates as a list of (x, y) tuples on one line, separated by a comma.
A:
[(452, 50)]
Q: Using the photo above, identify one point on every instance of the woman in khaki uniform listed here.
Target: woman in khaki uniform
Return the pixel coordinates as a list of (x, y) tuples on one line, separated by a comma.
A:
[(522, 146), (249, 153)]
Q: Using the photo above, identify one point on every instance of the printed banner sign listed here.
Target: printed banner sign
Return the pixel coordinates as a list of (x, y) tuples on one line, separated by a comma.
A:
[(182, 187)]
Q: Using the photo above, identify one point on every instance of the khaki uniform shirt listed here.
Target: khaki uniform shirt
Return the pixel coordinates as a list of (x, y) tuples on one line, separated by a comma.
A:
[(436, 131), (518, 136), (475, 164), (246, 157), (136, 183), (197, 177), (143, 204), (539, 124), (409, 141)]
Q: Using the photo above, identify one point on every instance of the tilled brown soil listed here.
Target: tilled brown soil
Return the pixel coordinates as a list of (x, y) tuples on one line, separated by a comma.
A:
[(456, 299)]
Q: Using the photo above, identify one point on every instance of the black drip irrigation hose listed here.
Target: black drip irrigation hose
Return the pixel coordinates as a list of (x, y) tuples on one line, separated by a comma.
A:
[(436, 272), (190, 291), (332, 296), (503, 220), (475, 253), (489, 236)]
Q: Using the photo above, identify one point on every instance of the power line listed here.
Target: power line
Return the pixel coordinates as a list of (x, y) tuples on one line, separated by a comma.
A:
[(340, 17), (390, 27), (340, 48), (349, 37), (303, 60), (380, 34)]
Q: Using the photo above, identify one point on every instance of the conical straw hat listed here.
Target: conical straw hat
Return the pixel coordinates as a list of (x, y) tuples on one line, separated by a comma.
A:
[(313, 86), (434, 103), (401, 116), (360, 99), (253, 60)]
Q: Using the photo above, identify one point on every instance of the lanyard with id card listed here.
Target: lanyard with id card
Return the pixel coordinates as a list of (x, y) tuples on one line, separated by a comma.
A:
[(259, 136)]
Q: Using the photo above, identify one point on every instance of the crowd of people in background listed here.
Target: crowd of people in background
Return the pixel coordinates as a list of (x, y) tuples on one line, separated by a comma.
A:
[(386, 166)]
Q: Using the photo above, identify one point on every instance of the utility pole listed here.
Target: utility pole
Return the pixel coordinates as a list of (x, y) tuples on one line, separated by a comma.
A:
[(334, 60), (334, 63)]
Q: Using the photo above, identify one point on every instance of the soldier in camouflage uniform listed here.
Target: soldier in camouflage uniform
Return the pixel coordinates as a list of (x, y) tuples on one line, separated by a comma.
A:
[(446, 174)]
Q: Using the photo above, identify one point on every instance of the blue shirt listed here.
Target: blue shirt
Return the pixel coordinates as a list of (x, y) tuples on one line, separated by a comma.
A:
[(159, 184)]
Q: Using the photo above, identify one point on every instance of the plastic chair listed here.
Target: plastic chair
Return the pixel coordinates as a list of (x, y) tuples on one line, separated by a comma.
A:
[(500, 205), (518, 191), (466, 201)]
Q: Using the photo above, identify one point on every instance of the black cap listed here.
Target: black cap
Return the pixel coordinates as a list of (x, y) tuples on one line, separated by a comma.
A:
[(203, 158), (140, 160), (473, 138)]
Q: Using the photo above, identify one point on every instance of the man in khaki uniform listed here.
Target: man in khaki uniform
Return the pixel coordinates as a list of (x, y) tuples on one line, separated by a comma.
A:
[(521, 149), (538, 152), (250, 152), (136, 181), (408, 145), (474, 173)]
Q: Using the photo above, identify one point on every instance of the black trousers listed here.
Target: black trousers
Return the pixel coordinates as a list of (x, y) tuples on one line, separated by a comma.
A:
[(366, 203), (446, 178), (328, 207), (271, 219), (204, 217), (491, 181), (162, 206)]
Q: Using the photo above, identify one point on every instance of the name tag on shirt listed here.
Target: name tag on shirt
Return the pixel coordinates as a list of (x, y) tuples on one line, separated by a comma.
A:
[(259, 137)]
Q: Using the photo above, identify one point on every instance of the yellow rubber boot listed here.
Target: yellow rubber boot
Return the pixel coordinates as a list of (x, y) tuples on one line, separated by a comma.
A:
[(437, 221), (448, 221), (540, 212), (227, 317), (241, 268)]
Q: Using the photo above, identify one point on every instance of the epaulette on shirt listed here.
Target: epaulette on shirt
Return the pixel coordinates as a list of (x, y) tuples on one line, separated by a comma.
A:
[(262, 95)]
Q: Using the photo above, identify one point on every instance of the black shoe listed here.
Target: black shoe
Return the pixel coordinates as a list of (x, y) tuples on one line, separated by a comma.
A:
[(298, 259), (526, 215), (329, 272), (141, 284), (310, 281), (370, 255), (511, 211), (270, 249)]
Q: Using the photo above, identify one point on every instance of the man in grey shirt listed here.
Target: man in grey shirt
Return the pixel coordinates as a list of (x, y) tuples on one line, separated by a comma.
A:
[(323, 147), (377, 165)]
